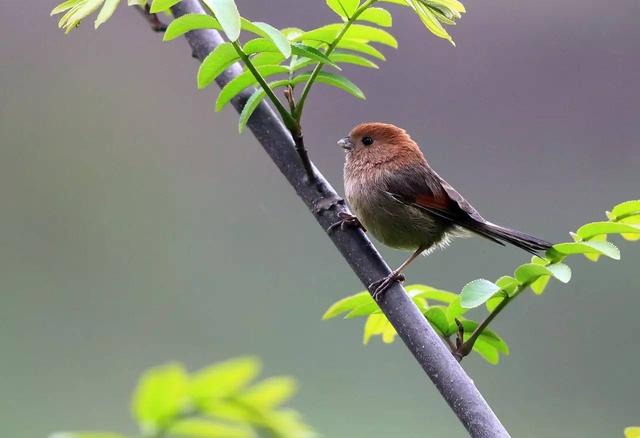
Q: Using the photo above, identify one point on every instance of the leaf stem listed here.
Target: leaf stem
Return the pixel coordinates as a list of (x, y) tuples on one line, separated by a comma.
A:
[(318, 68), (467, 346), (287, 118)]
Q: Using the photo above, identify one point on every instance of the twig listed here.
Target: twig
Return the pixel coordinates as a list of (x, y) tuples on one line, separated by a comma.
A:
[(412, 327), (153, 20)]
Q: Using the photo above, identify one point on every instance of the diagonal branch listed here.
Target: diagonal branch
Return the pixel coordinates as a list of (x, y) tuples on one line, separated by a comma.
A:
[(426, 346)]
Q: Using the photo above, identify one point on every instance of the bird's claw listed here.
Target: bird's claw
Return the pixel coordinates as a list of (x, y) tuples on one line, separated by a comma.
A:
[(346, 220), (378, 288)]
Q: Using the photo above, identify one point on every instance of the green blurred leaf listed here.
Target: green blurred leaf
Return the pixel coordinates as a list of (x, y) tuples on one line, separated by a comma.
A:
[(375, 325), (358, 46), (455, 309), (378, 16), (632, 432), (270, 393), (363, 310), (605, 248), (215, 63), (477, 292), (348, 58), (348, 303), (278, 38), (437, 316), (86, 435), (495, 300), (334, 80), (108, 8), (624, 209), (161, 395), (245, 80), (593, 229), (76, 13), (223, 379), (65, 6), (633, 220), (158, 6), (200, 428), (344, 8), (430, 21), (189, 22), (227, 14)]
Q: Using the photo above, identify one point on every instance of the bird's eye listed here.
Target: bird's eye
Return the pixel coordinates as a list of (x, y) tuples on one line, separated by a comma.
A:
[(367, 141)]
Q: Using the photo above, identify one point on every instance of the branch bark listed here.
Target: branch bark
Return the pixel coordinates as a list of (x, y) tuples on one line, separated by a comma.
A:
[(426, 346)]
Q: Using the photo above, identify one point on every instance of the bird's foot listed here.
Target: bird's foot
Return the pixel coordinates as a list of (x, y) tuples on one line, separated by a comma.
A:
[(346, 220), (378, 288)]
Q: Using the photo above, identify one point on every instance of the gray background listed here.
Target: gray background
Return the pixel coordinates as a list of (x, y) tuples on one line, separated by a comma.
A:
[(137, 227)]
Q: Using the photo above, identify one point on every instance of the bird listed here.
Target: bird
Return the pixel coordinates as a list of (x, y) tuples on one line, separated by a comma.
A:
[(405, 204)]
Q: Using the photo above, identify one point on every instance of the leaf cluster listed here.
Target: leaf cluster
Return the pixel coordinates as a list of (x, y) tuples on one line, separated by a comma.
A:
[(222, 400), (590, 240)]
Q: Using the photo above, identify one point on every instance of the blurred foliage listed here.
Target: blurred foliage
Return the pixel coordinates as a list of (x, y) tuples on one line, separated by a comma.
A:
[(590, 240), (632, 432), (222, 400)]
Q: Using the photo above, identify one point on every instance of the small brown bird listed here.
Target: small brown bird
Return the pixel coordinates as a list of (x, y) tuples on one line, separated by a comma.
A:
[(404, 203)]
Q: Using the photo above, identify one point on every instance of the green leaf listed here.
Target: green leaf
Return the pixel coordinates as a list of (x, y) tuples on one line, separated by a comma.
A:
[(335, 81), (430, 21), (358, 32), (363, 310), (437, 316), (200, 428), (358, 46), (589, 231), (270, 393), (65, 6), (378, 16), (346, 304), (431, 293), (344, 8), (86, 435), (348, 58), (106, 12), (633, 220), (495, 300), (632, 432), (215, 63), (507, 284), (591, 247), (160, 396), (227, 14), (259, 45), (455, 309), (538, 285), (245, 80), (477, 292), (530, 272), (223, 379), (254, 101), (377, 324), (624, 209), (312, 53), (267, 58), (487, 351), (189, 22), (560, 271), (278, 38), (162, 5)]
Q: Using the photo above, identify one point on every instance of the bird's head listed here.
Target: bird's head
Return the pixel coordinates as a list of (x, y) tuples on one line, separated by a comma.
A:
[(376, 143)]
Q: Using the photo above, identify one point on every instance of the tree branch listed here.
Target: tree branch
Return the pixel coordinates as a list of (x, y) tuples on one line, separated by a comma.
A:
[(412, 327)]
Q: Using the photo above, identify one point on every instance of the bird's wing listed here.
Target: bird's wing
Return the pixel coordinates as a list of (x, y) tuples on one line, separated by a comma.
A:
[(430, 193)]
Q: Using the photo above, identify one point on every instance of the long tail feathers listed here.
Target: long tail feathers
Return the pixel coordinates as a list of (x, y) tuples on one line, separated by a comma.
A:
[(505, 235)]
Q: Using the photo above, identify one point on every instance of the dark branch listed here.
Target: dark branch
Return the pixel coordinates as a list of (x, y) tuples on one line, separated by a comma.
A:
[(412, 327), (153, 20)]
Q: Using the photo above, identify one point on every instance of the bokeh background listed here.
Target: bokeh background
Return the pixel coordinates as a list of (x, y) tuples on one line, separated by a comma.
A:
[(138, 228)]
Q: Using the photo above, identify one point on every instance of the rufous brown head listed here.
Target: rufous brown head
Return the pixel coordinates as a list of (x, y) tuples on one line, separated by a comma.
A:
[(375, 143)]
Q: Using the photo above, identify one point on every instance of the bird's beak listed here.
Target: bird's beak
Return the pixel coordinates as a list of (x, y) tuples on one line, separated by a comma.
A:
[(345, 143)]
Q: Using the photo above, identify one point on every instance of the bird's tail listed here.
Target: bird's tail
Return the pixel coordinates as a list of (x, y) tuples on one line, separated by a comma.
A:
[(521, 240)]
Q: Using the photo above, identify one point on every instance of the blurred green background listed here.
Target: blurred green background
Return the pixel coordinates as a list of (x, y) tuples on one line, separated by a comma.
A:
[(137, 227)]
